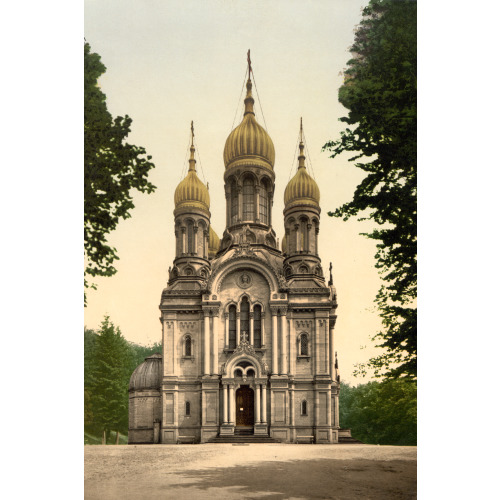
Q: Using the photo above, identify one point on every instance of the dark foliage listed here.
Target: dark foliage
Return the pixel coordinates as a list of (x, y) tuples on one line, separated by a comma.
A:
[(109, 363), (380, 92), (112, 170), (381, 412)]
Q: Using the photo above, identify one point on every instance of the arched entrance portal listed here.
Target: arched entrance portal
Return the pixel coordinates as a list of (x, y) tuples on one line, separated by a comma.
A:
[(245, 415)]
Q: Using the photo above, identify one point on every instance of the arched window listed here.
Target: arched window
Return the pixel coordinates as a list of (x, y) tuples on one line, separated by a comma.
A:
[(248, 200), (303, 235), (244, 317), (232, 327), (303, 407), (257, 326), (188, 344), (188, 408), (263, 205), (234, 203), (304, 345)]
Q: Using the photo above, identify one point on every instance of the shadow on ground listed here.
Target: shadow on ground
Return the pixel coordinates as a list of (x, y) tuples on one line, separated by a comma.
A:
[(322, 478)]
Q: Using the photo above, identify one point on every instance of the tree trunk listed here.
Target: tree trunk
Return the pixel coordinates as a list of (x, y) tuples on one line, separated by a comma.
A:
[(117, 437), (104, 436)]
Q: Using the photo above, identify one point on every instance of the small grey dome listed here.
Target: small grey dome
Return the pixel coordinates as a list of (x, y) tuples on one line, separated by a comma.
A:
[(148, 375)]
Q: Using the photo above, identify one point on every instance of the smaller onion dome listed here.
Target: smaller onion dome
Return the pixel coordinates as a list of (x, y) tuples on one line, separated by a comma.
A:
[(302, 188), (191, 192), (213, 243), (148, 375)]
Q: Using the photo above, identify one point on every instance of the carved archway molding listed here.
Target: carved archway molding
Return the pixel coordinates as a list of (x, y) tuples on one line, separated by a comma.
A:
[(239, 263), (244, 352)]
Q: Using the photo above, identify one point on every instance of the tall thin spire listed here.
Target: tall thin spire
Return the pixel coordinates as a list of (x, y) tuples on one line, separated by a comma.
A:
[(301, 147), (249, 101), (192, 161)]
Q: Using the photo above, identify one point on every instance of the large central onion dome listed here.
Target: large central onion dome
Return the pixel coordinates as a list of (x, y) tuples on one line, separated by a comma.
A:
[(191, 192), (302, 188), (249, 140)]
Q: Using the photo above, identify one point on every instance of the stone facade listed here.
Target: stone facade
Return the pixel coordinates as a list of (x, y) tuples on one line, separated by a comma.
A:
[(248, 329)]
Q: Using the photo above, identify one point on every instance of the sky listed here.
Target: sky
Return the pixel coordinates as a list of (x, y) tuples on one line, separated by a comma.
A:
[(170, 62)]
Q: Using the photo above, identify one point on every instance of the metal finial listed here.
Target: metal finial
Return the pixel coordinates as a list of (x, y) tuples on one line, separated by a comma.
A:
[(192, 132), (249, 63)]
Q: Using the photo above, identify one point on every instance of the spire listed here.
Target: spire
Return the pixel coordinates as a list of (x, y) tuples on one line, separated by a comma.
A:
[(192, 161), (301, 147), (249, 101)]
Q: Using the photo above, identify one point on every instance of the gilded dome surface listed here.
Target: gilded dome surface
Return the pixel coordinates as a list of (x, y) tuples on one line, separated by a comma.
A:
[(302, 188), (249, 139), (191, 192), (213, 243), (148, 375)]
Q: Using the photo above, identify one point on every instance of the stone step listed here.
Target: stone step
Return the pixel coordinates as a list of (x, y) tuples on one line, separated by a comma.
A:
[(243, 439)]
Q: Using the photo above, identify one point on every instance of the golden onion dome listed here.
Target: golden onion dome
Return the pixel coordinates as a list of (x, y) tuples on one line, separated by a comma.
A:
[(213, 243), (191, 192), (302, 188), (249, 139)]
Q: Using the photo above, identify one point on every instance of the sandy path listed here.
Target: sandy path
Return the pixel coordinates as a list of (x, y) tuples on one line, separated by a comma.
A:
[(271, 471)]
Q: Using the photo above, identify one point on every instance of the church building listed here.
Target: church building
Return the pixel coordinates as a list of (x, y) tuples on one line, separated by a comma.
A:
[(247, 327)]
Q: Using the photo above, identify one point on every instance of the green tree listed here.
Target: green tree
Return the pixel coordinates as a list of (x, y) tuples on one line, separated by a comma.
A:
[(381, 412), (112, 365), (112, 170), (380, 94)]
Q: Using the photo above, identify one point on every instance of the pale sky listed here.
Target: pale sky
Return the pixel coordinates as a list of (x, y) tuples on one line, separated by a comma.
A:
[(170, 62)]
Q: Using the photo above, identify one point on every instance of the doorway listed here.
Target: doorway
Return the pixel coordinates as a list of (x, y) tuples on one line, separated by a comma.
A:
[(245, 415)]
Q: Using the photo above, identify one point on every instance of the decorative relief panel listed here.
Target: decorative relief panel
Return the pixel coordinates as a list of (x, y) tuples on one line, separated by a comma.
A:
[(187, 325), (244, 280), (303, 323)]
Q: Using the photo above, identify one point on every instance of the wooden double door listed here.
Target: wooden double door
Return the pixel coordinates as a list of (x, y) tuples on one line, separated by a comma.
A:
[(245, 413)]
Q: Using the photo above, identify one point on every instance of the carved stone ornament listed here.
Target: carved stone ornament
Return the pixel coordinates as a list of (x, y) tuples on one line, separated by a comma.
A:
[(244, 280), (245, 347)]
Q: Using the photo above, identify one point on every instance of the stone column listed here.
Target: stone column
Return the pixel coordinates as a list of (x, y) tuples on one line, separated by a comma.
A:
[(195, 240), (274, 370), (238, 326), (257, 204), (226, 338), (232, 405), (316, 346), (292, 405), (309, 239), (316, 240), (206, 338), (257, 405), (324, 328), (177, 245), (225, 389), (264, 404), (316, 406), (329, 406), (297, 239), (176, 407), (283, 341), (262, 328), (175, 358), (215, 339), (251, 328), (292, 347)]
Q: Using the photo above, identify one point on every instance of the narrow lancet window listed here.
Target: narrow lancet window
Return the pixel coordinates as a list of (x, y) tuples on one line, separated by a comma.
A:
[(257, 326), (248, 200), (232, 327)]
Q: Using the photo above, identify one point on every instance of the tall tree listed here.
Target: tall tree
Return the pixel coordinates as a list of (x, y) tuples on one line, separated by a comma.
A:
[(112, 170), (380, 94), (108, 385)]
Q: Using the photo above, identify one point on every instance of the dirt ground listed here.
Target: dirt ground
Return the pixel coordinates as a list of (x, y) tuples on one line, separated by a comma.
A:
[(234, 471)]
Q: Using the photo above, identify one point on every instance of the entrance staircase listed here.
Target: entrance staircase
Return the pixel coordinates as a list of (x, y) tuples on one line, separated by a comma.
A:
[(244, 436)]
